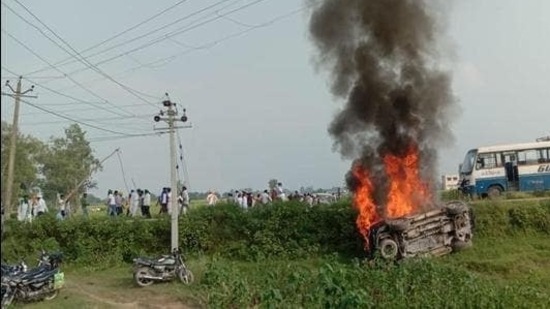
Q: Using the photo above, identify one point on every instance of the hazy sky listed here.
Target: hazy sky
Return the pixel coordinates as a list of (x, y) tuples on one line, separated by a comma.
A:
[(244, 70)]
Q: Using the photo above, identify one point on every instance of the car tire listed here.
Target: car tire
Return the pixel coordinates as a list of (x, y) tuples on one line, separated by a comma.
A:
[(388, 249), (456, 207)]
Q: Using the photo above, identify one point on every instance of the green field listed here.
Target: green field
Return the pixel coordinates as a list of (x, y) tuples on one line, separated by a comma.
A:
[(508, 266)]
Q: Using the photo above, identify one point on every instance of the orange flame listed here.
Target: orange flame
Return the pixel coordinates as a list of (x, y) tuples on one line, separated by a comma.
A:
[(407, 193), (364, 202)]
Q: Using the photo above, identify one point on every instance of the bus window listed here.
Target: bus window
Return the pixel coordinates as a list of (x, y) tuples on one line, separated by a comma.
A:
[(527, 157), (486, 160), (543, 155)]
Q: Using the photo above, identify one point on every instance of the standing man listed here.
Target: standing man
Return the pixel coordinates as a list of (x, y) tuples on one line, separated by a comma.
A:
[(212, 198), (24, 210), (111, 204), (184, 200), (84, 204), (134, 202), (146, 208), (265, 198), (163, 199), (40, 205), (281, 193)]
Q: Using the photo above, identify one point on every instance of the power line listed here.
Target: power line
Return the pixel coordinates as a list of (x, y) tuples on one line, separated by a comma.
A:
[(63, 63), (112, 138), (183, 163), (74, 120), (81, 59), (74, 81), (122, 169), (167, 36), (206, 46), (56, 91), (119, 34)]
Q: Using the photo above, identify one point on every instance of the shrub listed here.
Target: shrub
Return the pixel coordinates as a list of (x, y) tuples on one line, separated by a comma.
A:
[(282, 230)]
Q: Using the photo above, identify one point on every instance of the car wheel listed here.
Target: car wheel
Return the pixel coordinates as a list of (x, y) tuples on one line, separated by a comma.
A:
[(388, 249), (456, 207)]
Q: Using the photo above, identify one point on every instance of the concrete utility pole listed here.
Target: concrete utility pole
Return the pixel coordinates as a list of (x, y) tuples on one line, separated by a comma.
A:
[(172, 113), (17, 94)]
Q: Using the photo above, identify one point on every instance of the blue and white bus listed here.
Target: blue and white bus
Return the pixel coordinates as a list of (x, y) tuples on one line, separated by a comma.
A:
[(489, 171)]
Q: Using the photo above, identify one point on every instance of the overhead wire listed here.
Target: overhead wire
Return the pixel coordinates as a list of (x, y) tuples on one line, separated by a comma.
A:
[(76, 54), (169, 35), (112, 138), (123, 173), (205, 46), (63, 63), (74, 120), (52, 90), (184, 168), (70, 78)]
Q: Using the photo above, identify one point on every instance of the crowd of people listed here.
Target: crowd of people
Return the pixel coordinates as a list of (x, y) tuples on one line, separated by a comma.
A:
[(249, 199), (139, 202)]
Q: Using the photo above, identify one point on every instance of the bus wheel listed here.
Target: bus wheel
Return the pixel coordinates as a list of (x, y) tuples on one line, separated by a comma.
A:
[(494, 192)]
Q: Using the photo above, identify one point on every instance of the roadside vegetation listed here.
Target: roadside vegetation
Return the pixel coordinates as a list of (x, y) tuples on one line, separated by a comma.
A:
[(288, 256)]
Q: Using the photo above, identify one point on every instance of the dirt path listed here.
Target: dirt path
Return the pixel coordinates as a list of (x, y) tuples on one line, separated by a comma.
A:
[(123, 298)]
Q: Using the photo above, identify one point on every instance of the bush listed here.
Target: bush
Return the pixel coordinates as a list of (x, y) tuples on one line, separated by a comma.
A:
[(280, 230), (285, 230)]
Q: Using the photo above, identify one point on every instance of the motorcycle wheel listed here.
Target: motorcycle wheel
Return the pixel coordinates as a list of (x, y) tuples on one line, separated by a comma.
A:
[(139, 277), (53, 294), (186, 276)]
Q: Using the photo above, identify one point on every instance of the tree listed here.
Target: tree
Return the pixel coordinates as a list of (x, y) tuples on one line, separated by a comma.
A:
[(272, 183), (67, 162), (27, 161)]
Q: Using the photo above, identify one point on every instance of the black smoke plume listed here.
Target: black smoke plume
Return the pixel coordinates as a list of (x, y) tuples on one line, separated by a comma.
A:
[(382, 58)]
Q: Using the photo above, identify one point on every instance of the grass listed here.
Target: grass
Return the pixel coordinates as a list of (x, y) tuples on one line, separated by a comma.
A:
[(504, 269)]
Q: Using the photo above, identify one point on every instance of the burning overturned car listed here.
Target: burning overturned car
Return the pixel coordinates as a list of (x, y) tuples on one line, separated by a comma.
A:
[(398, 216), (435, 232)]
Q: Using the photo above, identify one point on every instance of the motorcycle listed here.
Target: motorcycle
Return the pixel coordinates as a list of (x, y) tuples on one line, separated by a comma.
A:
[(8, 269), (165, 268), (40, 283)]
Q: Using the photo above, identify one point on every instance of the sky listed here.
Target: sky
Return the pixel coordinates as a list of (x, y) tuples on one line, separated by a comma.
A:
[(245, 72)]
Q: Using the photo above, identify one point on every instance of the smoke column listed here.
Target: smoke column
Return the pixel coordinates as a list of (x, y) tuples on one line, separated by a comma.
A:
[(382, 59)]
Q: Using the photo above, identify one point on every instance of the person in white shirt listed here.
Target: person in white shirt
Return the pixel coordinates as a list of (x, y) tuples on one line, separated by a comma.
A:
[(146, 210), (265, 198), (212, 198), (281, 192), (40, 205), (134, 203), (111, 204), (184, 200), (63, 206), (244, 202), (24, 209)]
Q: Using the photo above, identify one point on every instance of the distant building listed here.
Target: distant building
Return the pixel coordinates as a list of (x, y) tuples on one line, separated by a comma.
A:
[(449, 182)]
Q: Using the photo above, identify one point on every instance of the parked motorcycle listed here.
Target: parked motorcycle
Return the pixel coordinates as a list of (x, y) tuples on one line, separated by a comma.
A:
[(8, 269), (165, 268), (40, 283)]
